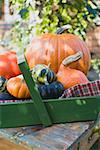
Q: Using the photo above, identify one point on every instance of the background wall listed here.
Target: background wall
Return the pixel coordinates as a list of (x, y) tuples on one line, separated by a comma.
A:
[(93, 40), (4, 17)]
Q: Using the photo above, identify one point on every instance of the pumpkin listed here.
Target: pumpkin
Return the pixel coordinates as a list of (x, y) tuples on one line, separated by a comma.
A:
[(17, 87), (3, 82), (70, 77), (53, 48), (8, 64), (53, 90), (43, 74)]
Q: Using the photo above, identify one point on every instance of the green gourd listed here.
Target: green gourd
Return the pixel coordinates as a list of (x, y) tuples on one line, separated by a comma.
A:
[(3, 82), (53, 90), (42, 74)]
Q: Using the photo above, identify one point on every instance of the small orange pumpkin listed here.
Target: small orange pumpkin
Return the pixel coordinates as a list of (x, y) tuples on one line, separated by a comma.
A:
[(17, 87), (68, 76)]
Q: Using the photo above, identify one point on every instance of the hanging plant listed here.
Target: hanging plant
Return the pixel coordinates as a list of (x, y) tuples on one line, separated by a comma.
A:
[(37, 17)]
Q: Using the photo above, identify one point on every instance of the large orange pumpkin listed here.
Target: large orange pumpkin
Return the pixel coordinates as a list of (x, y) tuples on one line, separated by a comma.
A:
[(8, 64), (53, 48), (70, 77)]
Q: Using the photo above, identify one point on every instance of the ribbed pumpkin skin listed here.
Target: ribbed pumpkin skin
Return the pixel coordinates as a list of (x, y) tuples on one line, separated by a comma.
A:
[(70, 77), (17, 87), (8, 64), (53, 48)]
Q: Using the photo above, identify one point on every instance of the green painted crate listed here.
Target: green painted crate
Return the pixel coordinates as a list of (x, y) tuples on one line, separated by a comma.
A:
[(46, 112)]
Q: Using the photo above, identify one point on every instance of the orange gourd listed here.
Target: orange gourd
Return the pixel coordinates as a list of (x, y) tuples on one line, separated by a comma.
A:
[(17, 87), (8, 64), (70, 77), (53, 48)]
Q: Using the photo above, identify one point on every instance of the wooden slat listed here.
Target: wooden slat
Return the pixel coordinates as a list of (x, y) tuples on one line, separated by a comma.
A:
[(57, 137), (8, 145), (75, 109)]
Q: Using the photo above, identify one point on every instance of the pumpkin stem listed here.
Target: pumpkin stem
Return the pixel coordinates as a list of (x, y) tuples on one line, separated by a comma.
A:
[(63, 28), (49, 65), (72, 58)]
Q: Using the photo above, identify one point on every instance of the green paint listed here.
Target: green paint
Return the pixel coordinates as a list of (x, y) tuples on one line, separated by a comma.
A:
[(60, 111), (46, 112), (39, 105)]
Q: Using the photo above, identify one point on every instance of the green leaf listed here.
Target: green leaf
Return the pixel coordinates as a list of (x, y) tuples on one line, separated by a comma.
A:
[(24, 13), (51, 15)]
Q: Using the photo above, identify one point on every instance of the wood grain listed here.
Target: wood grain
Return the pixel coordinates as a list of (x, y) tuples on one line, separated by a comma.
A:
[(56, 137), (8, 145)]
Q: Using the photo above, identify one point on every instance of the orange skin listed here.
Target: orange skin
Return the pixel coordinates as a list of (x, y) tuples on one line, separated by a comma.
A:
[(8, 64), (17, 87), (70, 77), (53, 48)]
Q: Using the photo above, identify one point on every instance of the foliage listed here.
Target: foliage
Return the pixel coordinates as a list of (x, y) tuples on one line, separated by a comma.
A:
[(37, 17), (96, 64)]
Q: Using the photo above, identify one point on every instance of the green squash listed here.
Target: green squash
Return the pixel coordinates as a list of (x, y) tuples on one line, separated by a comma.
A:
[(6, 96), (42, 74), (53, 90), (3, 82)]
